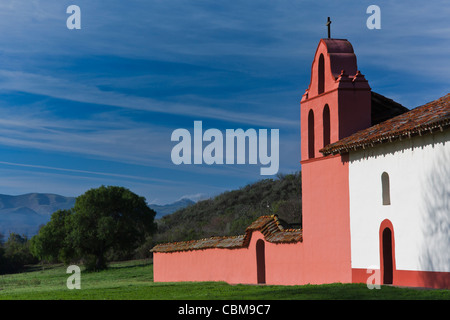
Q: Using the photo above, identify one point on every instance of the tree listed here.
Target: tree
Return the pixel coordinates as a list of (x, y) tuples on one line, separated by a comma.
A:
[(52, 242), (15, 254), (109, 218)]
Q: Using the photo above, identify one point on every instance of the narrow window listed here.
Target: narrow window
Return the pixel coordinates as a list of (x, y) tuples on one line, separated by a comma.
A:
[(385, 189), (326, 125), (321, 80), (311, 134)]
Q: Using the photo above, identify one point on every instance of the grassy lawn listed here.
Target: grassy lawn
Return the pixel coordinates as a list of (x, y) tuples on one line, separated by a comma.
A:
[(133, 280)]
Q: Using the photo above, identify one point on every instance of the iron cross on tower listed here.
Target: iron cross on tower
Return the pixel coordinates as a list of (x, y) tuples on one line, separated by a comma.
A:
[(329, 27)]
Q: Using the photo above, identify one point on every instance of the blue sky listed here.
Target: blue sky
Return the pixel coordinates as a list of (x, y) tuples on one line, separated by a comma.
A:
[(97, 106)]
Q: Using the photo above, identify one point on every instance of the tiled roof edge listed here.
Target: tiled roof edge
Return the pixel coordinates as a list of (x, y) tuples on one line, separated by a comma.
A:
[(279, 235), (441, 124), (385, 138)]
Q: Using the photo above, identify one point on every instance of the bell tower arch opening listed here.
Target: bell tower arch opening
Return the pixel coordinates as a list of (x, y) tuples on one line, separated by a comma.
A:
[(311, 139), (326, 125), (321, 75)]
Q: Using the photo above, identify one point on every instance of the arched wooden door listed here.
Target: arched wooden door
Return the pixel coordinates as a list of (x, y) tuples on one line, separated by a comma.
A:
[(387, 252), (387, 256)]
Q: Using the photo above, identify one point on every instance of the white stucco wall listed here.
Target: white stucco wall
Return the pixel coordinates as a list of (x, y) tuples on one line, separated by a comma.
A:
[(419, 173)]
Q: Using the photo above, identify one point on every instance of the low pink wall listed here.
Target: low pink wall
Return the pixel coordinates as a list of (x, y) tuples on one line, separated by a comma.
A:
[(230, 265), (284, 263), (282, 266)]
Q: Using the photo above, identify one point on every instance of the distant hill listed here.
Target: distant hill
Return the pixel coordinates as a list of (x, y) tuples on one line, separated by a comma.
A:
[(162, 210), (24, 214), (231, 212)]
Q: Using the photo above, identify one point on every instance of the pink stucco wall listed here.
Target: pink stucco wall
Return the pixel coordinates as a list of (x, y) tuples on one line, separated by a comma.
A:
[(326, 222), (231, 265)]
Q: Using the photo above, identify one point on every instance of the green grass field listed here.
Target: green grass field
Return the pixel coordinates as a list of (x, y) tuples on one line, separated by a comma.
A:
[(133, 280)]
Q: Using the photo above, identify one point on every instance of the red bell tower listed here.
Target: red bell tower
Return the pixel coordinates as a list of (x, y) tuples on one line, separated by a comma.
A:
[(336, 104)]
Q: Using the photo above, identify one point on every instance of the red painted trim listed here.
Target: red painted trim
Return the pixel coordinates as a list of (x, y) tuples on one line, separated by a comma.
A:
[(408, 278), (439, 280), (321, 94), (360, 275), (332, 90), (319, 158)]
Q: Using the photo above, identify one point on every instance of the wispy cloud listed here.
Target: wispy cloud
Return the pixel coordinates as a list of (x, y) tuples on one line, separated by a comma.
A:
[(97, 173), (63, 89), (119, 139)]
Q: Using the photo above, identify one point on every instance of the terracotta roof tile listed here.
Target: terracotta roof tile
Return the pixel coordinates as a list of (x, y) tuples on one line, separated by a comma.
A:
[(213, 242), (432, 116), (269, 226)]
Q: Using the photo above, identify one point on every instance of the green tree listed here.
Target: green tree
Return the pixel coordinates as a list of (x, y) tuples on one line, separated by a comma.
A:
[(52, 242), (15, 254), (109, 218)]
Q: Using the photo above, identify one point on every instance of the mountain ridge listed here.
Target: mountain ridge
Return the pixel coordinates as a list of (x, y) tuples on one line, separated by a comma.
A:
[(163, 210), (24, 214)]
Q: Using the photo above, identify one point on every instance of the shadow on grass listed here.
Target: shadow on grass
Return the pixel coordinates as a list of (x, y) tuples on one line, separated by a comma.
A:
[(130, 264), (41, 267)]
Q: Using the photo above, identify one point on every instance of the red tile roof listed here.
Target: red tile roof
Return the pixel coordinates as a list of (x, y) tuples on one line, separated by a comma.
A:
[(269, 226), (425, 119)]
